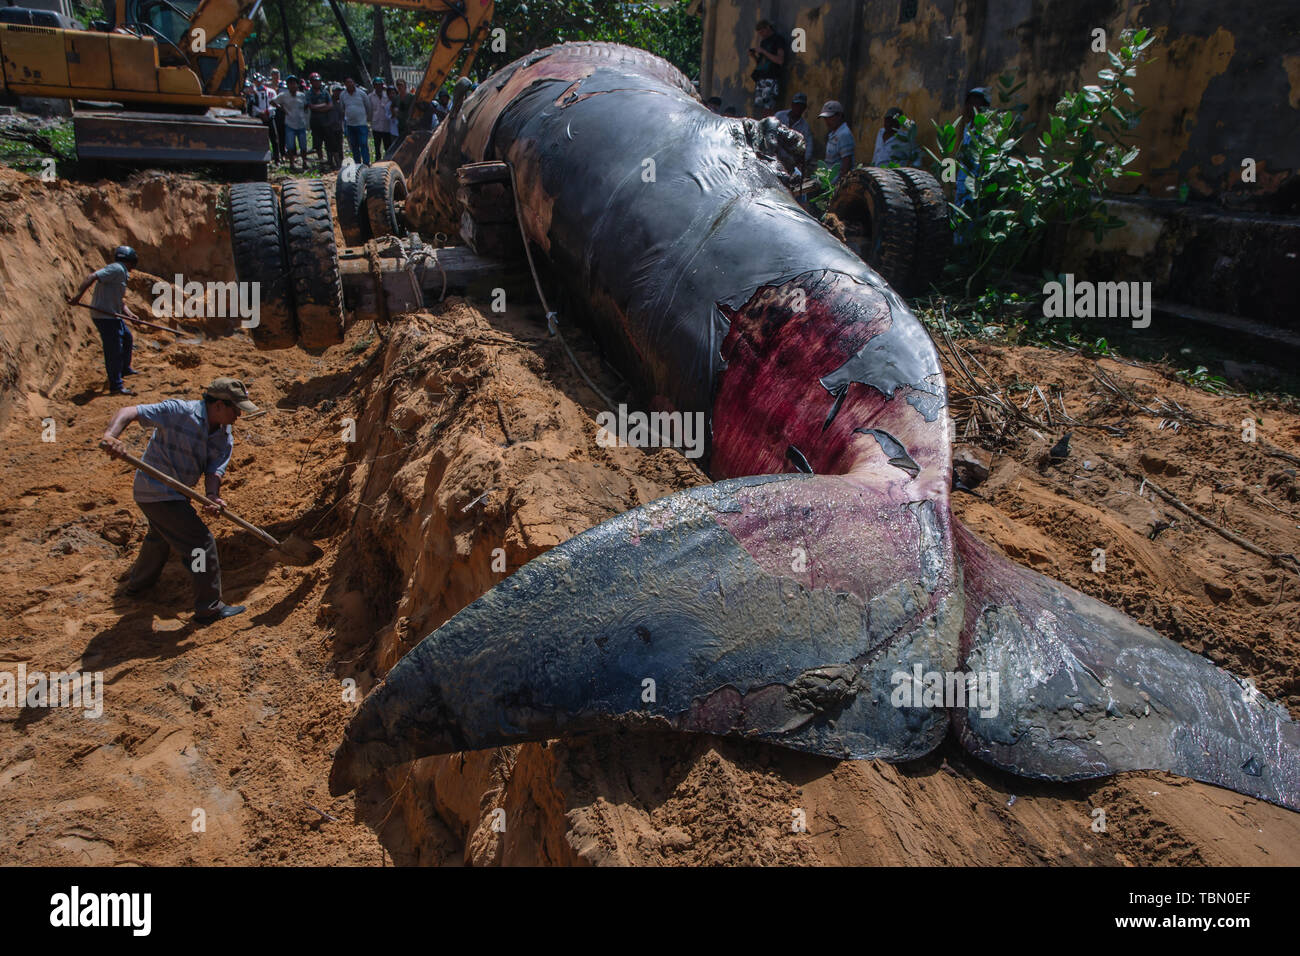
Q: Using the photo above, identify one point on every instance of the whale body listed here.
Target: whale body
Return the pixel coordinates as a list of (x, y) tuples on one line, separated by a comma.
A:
[(819, 595)]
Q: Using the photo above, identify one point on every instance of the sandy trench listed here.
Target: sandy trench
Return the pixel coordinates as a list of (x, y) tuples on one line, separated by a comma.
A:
[(474, 434)]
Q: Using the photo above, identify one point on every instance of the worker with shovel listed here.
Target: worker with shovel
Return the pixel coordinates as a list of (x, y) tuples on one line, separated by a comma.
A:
[(108, 303), (192, 439)]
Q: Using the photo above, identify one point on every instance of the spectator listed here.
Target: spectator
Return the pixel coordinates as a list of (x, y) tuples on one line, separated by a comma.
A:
[(319, 103), (381, 118), (264, 109), (402, 107), (394, 110), (277, 87), (769, 57), (714, 103), (293, 103), (356, 120), (895, 143), (977, 101), (839, 140), (334, 129), (441, 107), (795, 120)]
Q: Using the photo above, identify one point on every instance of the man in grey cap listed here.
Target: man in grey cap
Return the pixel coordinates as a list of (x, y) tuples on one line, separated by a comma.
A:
[(191, 439), (839, 141), (794, 118)]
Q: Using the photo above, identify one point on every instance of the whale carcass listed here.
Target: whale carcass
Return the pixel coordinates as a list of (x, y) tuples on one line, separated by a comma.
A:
[(823, 571)]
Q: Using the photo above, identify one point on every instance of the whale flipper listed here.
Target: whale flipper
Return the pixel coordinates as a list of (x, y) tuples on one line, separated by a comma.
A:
[(1085, 691), (782, 608)]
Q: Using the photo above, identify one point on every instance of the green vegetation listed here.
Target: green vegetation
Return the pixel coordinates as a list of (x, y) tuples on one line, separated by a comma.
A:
[(406, 37), (1011, 196), (26, 148)]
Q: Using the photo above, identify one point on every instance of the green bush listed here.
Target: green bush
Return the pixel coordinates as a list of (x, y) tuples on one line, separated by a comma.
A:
[(1014, 195)]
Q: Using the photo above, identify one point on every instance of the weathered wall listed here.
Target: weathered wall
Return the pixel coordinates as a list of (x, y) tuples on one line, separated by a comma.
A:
[(1220, 84)]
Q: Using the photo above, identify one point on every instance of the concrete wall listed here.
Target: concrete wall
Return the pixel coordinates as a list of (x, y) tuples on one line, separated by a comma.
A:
[(1223, 81)]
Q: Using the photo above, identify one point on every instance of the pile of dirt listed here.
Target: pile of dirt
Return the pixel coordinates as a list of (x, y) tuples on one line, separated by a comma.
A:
[(55, 233), (475, 451), (466, 446)]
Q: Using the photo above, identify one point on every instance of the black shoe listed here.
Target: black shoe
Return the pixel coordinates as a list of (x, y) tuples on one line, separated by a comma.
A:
[(131, 371), (138, 589), (226, 610), (122, 391)]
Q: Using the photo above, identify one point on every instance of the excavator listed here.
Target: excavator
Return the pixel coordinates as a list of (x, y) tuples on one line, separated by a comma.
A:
[(177, 69)]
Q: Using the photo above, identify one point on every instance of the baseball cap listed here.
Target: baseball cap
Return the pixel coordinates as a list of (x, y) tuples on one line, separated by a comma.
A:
[(980, 91), (831, 108), (800, 98), (230, 390)]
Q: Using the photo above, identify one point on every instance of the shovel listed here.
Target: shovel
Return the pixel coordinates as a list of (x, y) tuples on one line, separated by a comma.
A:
[(293, 550), (150, 325)]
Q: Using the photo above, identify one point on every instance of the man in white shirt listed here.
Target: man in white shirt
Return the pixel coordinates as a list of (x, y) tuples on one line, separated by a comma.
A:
[(794, 118), (895, 143), (839, 141), (295, 106), (356, 120)]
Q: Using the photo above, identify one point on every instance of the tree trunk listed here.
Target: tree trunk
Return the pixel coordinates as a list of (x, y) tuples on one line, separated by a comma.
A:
[(288, 44), (364, 76), (381, 64)]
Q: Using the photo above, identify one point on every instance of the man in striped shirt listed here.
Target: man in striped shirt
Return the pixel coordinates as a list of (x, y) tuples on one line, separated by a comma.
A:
[(192, 439)]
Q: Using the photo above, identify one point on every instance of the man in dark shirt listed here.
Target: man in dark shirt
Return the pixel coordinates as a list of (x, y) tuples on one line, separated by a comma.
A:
[(319, 103), (769, 58), (402, 109)]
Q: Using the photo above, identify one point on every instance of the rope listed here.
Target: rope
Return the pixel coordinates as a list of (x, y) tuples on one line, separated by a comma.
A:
[(552, 317)]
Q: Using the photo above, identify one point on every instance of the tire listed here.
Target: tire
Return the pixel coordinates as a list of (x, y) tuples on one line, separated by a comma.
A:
[(313, 263), (878, 213), (260, 256), (385, 188), (350, 197), (933, 233)]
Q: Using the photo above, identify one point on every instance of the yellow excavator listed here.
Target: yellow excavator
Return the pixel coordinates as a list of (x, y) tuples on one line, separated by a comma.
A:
[(177, 69)]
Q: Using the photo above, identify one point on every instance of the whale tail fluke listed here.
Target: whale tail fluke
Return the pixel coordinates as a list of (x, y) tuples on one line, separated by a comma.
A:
[(1085, 691), (780, 608), (818, 613)]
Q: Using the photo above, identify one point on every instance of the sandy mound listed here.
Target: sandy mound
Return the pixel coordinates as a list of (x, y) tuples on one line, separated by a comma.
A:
[(54, 233), (473, 434)]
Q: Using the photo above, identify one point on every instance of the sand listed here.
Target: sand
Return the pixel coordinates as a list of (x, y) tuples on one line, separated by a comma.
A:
[(475, 442)]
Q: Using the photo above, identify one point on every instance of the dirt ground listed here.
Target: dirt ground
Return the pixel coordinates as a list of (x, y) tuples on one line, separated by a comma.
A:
[(474, 434)]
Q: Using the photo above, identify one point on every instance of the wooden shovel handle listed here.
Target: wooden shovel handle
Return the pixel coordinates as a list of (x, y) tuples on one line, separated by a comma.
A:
[(189, 492)]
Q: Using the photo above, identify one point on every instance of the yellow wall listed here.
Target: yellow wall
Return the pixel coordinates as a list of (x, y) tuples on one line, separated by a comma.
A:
[(1216, 88)]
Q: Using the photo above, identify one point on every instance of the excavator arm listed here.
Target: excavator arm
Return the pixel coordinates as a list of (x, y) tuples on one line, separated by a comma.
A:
[(465, 23)]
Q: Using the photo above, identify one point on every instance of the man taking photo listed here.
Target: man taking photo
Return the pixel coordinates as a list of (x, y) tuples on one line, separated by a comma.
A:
[(192, 439)]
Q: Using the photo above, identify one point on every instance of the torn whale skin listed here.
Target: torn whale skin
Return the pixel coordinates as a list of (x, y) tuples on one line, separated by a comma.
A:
[(784, 602)]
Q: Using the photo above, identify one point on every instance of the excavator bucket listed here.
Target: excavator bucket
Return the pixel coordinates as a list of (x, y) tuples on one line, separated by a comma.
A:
[(171, 138)]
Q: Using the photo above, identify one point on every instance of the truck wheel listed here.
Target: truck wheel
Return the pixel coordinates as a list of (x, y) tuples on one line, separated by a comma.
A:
[(385, 190), (933, 233), (260, 257), (313, 263), (880, 221), (350, 197)]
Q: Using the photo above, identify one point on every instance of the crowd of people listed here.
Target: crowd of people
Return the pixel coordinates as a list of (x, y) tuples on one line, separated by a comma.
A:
[(895, 143), (291, 108)]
